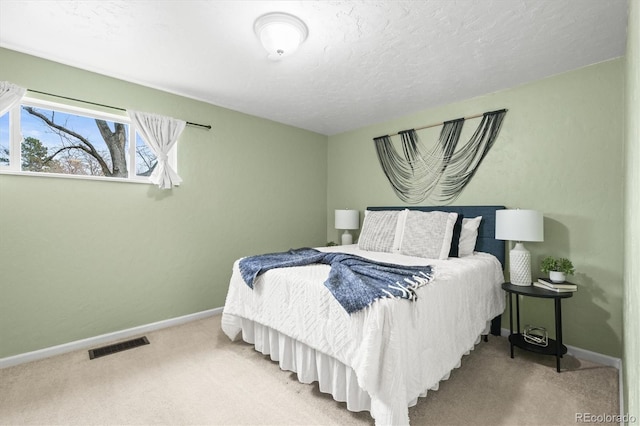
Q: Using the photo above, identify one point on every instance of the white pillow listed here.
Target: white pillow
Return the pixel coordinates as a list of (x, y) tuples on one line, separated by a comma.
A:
[(428, 234), (468, 236), (379, 230)]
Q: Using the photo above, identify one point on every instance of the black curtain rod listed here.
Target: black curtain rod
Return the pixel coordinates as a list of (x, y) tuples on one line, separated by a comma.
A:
[(206, 126)]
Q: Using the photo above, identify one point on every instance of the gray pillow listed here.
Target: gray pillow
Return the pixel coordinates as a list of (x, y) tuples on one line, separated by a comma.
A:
[(378, 230), (428, 234)]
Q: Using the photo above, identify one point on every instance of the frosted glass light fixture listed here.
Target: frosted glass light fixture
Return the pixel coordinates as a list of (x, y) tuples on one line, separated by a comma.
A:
[(347, 219), (519, 225), (280, 33)]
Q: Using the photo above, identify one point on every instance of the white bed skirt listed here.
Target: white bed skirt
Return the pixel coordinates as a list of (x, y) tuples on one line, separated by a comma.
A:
[(333, 376)]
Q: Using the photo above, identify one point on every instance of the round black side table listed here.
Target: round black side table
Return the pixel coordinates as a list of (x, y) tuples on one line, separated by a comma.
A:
[(554, 347)]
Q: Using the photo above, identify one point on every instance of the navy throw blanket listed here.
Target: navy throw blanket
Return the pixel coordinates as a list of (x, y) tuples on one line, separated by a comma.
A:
[(354, 281)]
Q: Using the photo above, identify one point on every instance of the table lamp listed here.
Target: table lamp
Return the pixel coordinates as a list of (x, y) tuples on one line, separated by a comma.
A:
[(519, 225), (347, 219)]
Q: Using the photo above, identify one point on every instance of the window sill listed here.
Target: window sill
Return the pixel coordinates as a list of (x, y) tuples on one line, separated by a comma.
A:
[(144, 180)]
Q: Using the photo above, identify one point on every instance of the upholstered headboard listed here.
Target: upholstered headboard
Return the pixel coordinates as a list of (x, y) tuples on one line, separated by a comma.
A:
[(486, 241)]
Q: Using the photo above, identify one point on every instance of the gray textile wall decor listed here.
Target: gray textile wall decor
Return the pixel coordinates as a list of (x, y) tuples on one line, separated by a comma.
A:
[(442, 172)]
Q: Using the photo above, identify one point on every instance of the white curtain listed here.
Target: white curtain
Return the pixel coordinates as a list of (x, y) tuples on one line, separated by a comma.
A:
[(10, 95), (160, 133)]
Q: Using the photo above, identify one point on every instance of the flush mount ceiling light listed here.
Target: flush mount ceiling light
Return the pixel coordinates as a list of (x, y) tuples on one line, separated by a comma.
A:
[(280, 33)]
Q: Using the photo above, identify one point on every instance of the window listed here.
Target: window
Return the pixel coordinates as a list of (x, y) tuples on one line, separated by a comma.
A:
[(59, 140)]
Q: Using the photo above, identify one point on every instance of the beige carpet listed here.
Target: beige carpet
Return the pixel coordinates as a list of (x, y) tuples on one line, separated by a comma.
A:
[(193, 374)]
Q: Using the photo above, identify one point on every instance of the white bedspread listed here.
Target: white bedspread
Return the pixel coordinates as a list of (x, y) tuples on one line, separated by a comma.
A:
[(398, 349)]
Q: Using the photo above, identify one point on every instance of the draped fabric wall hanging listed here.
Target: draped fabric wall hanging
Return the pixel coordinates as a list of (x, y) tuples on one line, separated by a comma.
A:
[(443, 171)]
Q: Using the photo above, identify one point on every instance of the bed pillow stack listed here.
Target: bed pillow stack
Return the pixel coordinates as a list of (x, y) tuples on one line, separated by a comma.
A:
[(433, 235)]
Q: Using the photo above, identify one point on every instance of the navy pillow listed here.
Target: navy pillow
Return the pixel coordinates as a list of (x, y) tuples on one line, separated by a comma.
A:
[(455, 238)]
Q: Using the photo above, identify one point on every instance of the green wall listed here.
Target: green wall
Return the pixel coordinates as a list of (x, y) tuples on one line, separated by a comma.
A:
[(559, 152), (81, 258), (631, 360)]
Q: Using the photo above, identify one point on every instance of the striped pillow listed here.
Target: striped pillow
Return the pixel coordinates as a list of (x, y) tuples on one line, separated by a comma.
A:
[(379, 230), (428, 234)]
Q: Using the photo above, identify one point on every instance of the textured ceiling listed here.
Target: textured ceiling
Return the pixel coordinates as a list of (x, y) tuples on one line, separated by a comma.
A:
[(363, 62)]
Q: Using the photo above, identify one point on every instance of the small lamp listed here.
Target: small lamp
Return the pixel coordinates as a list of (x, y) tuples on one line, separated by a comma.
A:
[(280, 33), (347, 219), (519, 225)]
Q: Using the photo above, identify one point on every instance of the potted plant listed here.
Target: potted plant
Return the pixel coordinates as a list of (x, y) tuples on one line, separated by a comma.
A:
[(557, 267)]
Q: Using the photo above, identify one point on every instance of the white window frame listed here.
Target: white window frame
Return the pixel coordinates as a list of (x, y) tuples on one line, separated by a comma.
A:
[(15, 142)]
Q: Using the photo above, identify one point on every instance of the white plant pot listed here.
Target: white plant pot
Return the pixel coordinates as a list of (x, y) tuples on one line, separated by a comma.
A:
[(557, 277)]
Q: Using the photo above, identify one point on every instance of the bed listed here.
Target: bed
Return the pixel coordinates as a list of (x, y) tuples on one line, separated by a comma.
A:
[(383, 357)]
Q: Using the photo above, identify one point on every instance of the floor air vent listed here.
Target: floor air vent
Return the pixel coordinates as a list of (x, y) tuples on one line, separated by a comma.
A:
[(118, 347)]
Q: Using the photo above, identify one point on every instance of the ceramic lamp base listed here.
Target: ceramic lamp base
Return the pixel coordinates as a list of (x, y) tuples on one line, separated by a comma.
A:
[(520, 265), (347, 238)]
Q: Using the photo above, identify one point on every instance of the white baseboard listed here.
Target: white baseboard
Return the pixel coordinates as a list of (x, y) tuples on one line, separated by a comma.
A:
[(585, 354), (104, 338)]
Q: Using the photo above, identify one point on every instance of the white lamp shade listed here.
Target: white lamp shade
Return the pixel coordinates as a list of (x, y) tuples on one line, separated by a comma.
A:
[(347, 219), (519, 225)]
